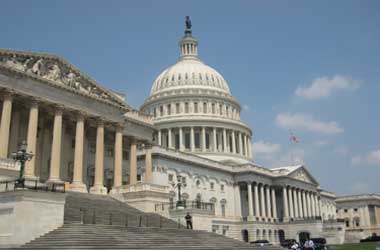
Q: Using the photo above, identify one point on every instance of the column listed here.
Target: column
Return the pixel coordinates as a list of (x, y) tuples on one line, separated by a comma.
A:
[(5, 125), (118, 158), (192, 145), (240, 144), (159, 137), (233, 142), (269, 208), (274, 205), (256, 193), (262, 201), (170, 141), (77, 185), (249, 147), (245, 145), (55, 162), (224, 141), (30, 166), (215, 147), (291, 207), (285, 203), (148, 163), (312, 204), (237, 200), (308, 202), (203, 139), (98, 187), (295, 200), (181, 144), (133, 163), (304, 204), (300, 204), (250, 202)]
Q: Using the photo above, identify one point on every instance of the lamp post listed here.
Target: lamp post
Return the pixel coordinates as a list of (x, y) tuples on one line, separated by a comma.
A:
[(22, 156), (179, 184)]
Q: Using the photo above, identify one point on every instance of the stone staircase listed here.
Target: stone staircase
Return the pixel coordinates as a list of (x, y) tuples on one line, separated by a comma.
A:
[(105, 210), (82, 236)]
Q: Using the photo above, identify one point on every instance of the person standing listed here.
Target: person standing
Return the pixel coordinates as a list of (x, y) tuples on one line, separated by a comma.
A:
[(189, 221), (294, 246), (309, 245)]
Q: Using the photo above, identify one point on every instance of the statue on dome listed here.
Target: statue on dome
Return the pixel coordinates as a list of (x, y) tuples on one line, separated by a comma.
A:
[(188, 23)]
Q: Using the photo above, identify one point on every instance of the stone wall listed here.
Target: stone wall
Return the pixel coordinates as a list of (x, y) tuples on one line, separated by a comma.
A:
[(25, 215)]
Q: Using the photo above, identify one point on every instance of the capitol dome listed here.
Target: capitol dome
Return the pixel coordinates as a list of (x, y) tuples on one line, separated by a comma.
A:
[(194, 110)]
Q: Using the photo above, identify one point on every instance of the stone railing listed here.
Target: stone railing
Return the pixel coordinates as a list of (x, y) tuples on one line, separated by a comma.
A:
[(139, 116), (9, 164), (144, 187)]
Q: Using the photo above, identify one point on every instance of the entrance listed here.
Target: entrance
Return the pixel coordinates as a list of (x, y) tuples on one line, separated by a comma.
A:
[(244, 234), (303, 236), (281, 235)]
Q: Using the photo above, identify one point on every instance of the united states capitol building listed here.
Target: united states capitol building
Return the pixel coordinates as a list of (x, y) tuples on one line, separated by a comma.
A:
[(188, 132)]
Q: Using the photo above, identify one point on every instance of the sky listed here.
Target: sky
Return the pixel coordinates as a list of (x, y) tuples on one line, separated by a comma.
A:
[(312, 67)]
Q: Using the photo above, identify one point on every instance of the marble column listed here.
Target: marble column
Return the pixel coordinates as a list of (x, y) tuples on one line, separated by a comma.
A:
[(215, 146), (300, 203), (304, 205), (203, 139), (148, 164), (55, 162), (160, 137), (250, 200), (256, 194), (240, 144), (118, 158), (262, 201), (291, 207), (224, 140), (269, 207), (181, 144), (237, 200), (274, 205), (77, 185), (295, 200), (312, 204), (170, 140), (98, 187), (233, 142), (308, 202), (192, 144), (133, 163), (285, 203), (30, 166), (5, 125)]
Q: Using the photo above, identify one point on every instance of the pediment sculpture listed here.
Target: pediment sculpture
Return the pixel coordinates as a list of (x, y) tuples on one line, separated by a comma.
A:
[(302, 176), (54, 70)]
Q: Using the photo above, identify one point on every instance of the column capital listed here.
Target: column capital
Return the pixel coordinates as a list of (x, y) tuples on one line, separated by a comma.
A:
[(7, 94), (119, 127)]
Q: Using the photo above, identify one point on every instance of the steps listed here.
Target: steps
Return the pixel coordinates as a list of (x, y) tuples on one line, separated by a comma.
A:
[(82, 236), (105, 210)]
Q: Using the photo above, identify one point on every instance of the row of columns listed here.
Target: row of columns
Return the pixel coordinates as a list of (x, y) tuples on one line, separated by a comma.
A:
[(219, 140), (300, 204), (55, 163), (266, 208)]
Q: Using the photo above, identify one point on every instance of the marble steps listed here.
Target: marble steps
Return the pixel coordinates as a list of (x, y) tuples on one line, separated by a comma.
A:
[(80, 236)]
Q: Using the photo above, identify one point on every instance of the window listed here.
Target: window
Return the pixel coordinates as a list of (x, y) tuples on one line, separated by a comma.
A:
[(222, 187), (187, 140), (186, 107), (139, 177), (177, 108), (220, 109), (170, 177), (197, 140), (212, 185), (198, 183), (355, 209), (205, 107), (213, 108), (223, 208), (161, 111), (169, 109), (347, 223), (154, 112), (125, 155), (215, 228), (345, 210), (195, 107)]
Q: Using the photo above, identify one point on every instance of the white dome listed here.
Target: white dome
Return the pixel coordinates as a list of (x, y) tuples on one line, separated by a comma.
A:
[(189, 73)]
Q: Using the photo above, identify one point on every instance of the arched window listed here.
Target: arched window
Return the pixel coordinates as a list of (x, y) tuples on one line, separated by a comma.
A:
[(198, 183)]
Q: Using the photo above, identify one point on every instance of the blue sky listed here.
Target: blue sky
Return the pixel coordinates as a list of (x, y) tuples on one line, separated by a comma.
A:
[(313, 67)]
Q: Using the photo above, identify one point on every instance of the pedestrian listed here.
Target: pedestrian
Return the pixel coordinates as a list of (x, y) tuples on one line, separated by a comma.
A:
[(189, 221), (309, 244), (295, 246)]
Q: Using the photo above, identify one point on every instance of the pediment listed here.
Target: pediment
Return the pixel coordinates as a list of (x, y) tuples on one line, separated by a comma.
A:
[(57, 70), (302, 174)]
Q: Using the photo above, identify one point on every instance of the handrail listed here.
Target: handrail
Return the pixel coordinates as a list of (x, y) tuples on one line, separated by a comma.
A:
[(15, 185), (185, 204)]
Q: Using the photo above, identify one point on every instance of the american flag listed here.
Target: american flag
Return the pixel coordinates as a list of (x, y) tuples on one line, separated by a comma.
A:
[(293, 138)]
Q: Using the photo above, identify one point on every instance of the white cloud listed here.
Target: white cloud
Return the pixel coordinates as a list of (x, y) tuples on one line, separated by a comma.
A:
[(323, 87), (370, 159), (262, 147), (307, 122)]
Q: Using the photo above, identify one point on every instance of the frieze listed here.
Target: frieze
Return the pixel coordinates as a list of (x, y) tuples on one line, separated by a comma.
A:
[(55, 69)]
